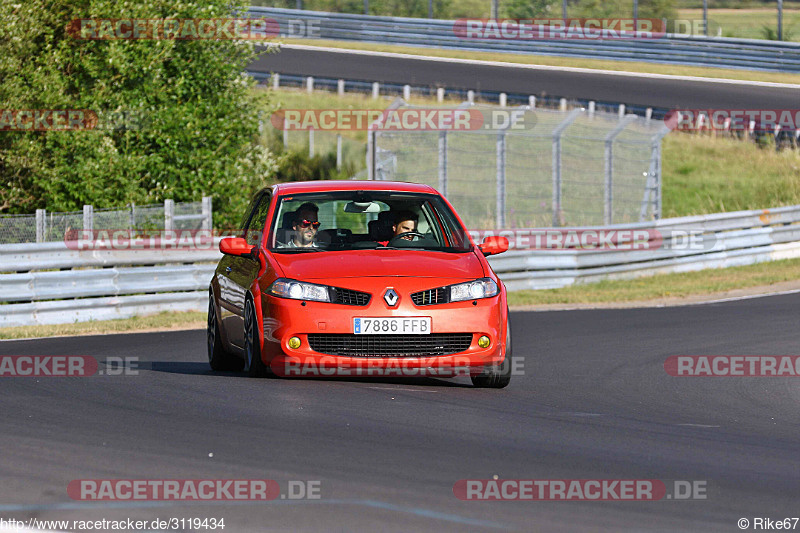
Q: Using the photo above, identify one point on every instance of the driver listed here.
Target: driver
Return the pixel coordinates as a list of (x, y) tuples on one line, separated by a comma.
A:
[(305, 225), (404, 221)]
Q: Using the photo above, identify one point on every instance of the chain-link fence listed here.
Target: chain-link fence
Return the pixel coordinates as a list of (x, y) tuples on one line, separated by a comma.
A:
[(575, 168), (349, 152), (46, 226)]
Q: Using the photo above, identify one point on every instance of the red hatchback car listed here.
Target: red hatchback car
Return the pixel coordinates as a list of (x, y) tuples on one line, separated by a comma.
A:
[(358, 278)]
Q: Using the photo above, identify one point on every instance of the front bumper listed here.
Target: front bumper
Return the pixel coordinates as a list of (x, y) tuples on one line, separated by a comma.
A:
[(286, 318)]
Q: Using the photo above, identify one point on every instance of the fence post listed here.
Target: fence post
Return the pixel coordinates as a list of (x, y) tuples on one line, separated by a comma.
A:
[(532, 102), (41, 224), (440, 94), (276, 81), (500, 206), (653, 182), (208, 222), (608, 165), (557, 132), (169, 214), (471, 96), (285, 134), (132, 219), (338, 151), (310, 84), (372, 140), (311, 142), (503, 99), (88, 218), (443, 162), (376, 90), (371, 154), (406, 92), (340, 87)]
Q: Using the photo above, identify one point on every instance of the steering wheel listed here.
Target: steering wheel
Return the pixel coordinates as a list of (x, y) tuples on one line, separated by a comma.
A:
[(395, 240)]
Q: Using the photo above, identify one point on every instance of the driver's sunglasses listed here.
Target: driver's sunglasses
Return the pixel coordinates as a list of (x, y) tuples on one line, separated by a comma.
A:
[(307, 223)]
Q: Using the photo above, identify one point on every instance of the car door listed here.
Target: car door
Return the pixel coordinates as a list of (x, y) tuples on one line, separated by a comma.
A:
[(243, 270)]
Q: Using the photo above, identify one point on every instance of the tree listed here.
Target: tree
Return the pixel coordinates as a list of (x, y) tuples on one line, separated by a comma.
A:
[(176, 117)]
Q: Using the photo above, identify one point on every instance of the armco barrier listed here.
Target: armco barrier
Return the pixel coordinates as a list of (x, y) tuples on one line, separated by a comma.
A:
[(106, 285), (751, 54)]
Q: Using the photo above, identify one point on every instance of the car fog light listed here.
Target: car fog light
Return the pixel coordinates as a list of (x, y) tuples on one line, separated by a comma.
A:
[(484, 342), (294, 343)]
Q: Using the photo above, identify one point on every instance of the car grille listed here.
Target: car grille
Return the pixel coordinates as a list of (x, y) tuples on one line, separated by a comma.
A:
[(349, 297), (389, 345), (430, 297)]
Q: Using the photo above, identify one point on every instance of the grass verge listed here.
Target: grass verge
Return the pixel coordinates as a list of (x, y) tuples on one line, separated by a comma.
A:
[(666, 286), (748, 23), (621, 66), (161, 322)]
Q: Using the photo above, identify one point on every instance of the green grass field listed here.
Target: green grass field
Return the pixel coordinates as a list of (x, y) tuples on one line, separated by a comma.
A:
[(748, 23)]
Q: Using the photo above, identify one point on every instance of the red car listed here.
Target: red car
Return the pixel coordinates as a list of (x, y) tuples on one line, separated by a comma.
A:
[(358, 278)]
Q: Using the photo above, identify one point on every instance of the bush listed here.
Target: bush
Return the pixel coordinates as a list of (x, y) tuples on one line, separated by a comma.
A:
[(193, 105)]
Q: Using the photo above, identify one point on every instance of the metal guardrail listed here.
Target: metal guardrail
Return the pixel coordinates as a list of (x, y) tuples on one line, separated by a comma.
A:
[(751, 54), (36, 291), (722, 240)]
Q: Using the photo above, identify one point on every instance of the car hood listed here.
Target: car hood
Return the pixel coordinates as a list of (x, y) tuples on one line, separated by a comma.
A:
[(371, 263)]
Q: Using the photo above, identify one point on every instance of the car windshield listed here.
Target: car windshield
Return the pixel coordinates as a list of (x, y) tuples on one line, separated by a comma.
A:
[(365, 220)]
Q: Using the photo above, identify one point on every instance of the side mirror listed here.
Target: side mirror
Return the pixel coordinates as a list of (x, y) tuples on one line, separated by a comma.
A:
[(494, 245), (237, 246)]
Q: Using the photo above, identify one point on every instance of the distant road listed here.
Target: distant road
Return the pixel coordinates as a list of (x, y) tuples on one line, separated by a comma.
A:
[(636, 89)]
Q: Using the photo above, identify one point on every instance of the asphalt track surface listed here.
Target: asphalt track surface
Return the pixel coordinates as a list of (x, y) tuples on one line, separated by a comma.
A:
[(594, 403), (630, 90)]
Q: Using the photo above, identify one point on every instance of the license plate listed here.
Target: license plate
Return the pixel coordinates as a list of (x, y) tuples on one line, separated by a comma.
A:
[(406, 325)]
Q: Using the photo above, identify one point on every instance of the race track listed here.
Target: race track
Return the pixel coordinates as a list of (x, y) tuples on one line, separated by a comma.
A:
[(594, 403), (631, 90)]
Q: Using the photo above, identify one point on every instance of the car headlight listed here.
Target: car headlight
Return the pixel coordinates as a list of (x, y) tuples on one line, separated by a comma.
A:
[(473, 290), (297, 290)]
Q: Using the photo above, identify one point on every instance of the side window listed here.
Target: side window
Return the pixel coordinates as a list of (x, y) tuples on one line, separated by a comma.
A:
[(249, 213), (256, 226)]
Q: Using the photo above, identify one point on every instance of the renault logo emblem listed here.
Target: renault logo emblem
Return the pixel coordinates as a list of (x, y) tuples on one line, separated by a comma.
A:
[(391, 298)]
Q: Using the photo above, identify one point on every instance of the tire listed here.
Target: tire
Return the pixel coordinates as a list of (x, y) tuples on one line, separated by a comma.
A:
[(218, 358), (496, 377), (253, 364)]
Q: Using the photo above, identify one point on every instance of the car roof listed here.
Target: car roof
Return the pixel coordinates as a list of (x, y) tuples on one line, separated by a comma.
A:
[(297, 187)]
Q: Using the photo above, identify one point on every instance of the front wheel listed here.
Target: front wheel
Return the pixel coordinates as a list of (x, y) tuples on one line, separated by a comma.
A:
[(218, 358), (253, 364), (497, 377)]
